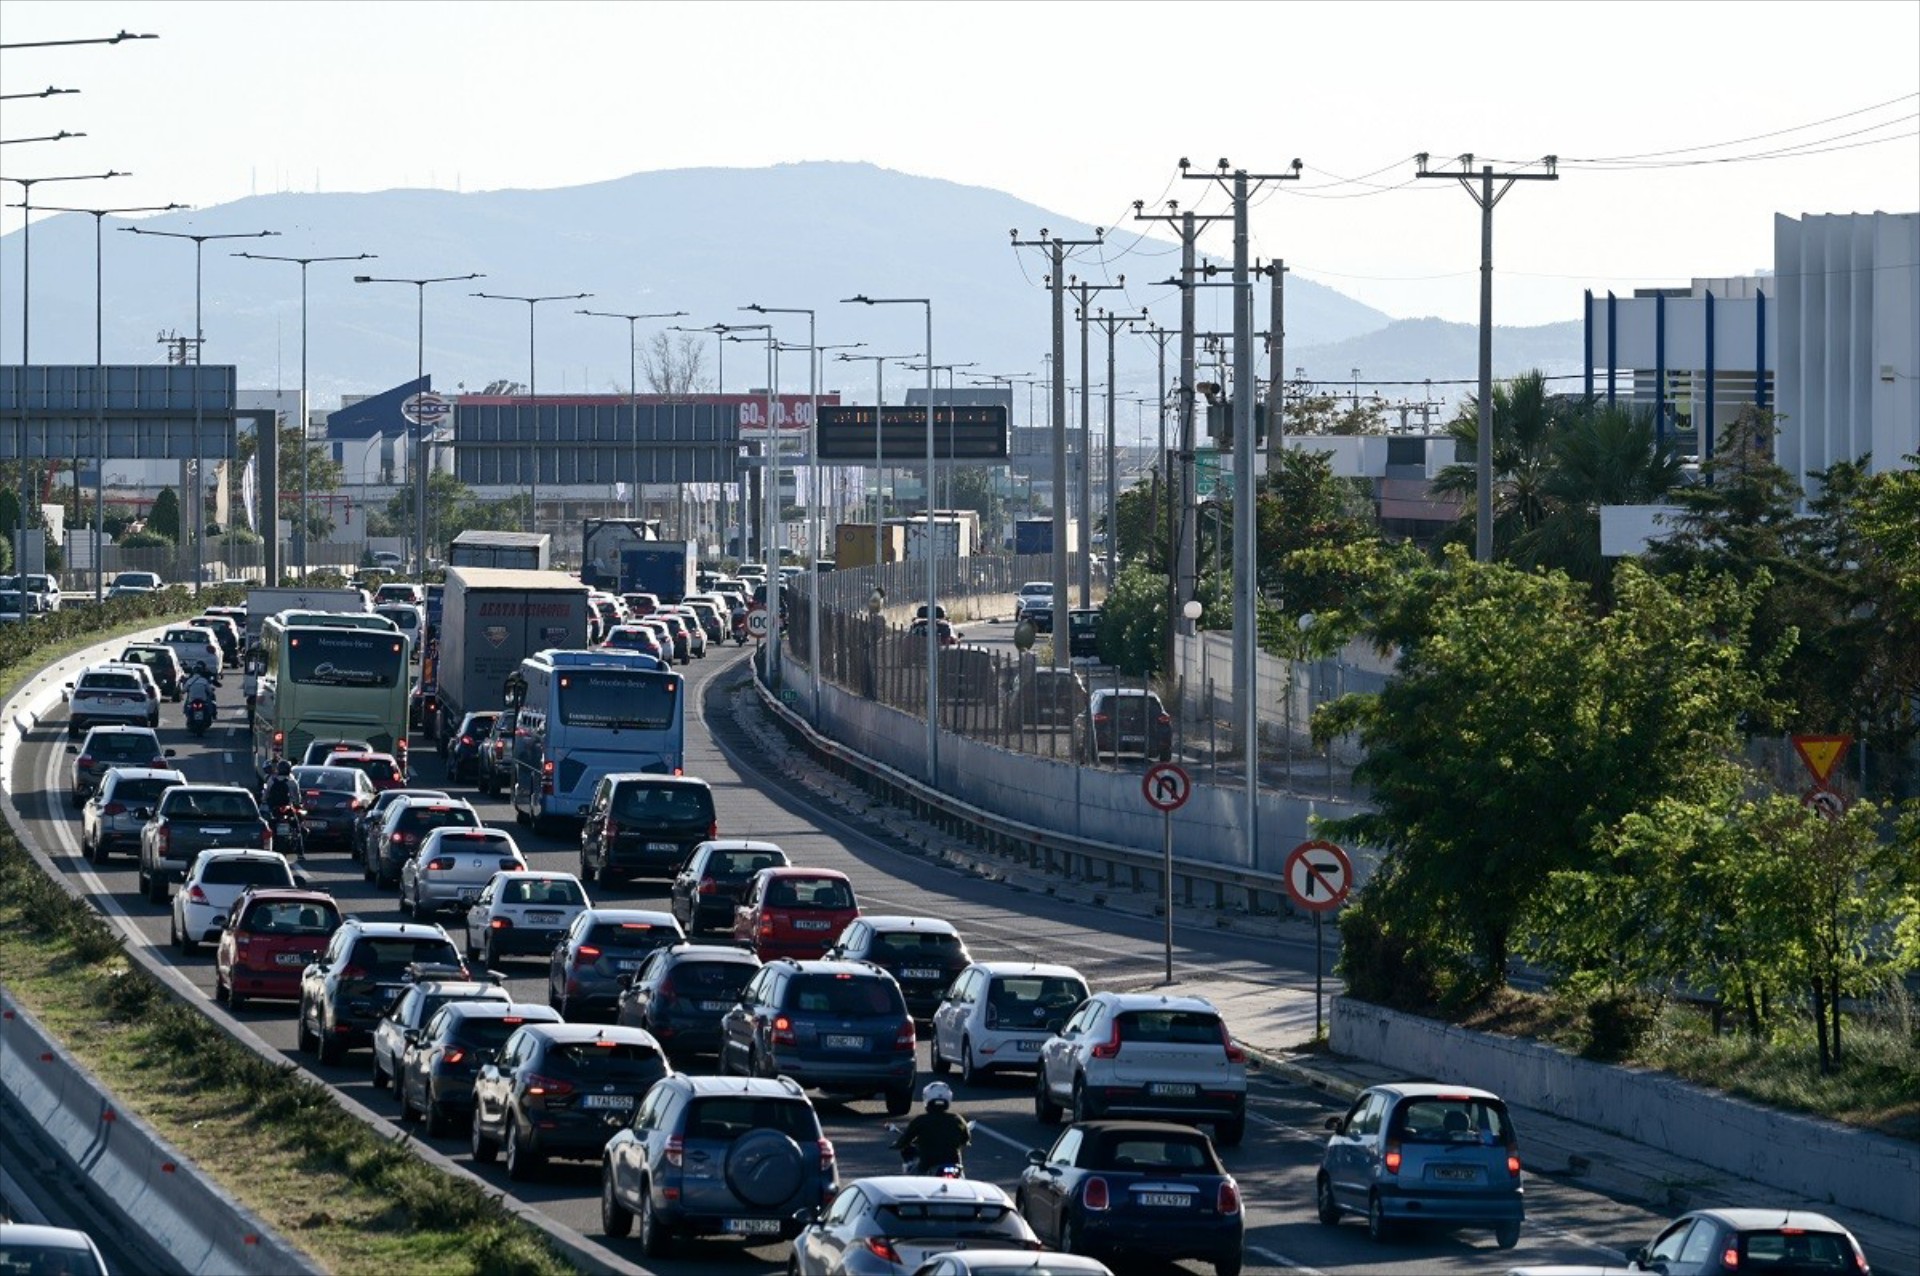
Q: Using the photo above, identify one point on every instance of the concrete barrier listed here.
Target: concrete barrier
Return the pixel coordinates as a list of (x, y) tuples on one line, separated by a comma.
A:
[(1813, 1159)]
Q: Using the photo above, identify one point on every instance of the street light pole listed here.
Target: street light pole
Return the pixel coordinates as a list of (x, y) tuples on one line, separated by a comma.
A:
[(305, 524), (933, 598), (879, 408), (532, 304), (419, 375), (633, 380), (199, 554), (99, 375)]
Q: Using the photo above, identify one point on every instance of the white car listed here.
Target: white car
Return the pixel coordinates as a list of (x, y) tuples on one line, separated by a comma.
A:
[(1034, 591), (43, 591), (147, 680), (524, 913), (410, 619), (215, 881), (144, 582), (195, 647), (1147, 1057), (452, 867), (998, 1014), (111, 696)]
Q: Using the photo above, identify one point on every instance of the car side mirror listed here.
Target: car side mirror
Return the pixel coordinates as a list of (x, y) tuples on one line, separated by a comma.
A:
[(584, 810), (412, 1036), (74, 749), (166, 753), (1337, 1124), (805, 1216), (626, 982), (143, 813), (1036, 1157)]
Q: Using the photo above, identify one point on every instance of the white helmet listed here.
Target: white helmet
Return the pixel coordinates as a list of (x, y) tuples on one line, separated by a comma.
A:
[(938, 1094)]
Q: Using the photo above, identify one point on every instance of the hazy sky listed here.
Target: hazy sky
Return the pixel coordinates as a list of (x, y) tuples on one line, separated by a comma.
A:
[(1080, 108)]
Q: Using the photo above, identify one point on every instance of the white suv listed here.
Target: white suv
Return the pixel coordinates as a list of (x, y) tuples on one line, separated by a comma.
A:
[(112, 696), (213, 885), (1148, 1057), (998, 1014), (195, 647), (1034, 591)]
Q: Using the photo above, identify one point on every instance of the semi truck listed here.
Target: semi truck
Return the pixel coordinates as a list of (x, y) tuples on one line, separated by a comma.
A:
[(519, 551), (665, 569), (853, 544), (604, 540), (1035, 536), (490, 620)]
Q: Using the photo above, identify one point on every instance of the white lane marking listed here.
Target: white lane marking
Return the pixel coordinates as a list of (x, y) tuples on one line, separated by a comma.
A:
[(995, 1135), (1274, 1256), (1290, 1131), (1575, 1238)]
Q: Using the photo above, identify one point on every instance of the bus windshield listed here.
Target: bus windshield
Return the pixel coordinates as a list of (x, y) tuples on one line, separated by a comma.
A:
[(346, 658), (629, 698)]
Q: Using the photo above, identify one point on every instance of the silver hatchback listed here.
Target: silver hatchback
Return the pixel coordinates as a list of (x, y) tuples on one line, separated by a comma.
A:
[(452, 867)]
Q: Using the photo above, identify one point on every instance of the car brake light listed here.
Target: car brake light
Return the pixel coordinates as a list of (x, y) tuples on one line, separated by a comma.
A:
[(826, 1155), (676, 1151), (589, 953), (1513, 1164), (1392, 1159), (1731, 1259), (612, 830), (354, 972), (1227, 1199), (501, 923), (1234, 1053), (86, 759), (197, 895), (165, 838), (279, 740), (708, 886), (1095, 1195), (511, 864), (882, 1248), (783, 1031), (547, 1087), (114, 808), (1100, 717), (766, 923), (1110, 1048), (466, 740), (713, 830), (455, 1055), (904, 1039), (440, 864)]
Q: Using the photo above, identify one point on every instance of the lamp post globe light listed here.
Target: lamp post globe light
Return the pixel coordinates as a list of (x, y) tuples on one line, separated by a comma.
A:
[(198, 557), (99, 215), (633, 379), (420, 374), (533, 304), (933, 626), (303, 528)]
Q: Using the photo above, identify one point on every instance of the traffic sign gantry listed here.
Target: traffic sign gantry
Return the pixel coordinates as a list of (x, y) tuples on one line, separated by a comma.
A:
[(1167, 786), (1319, 875)]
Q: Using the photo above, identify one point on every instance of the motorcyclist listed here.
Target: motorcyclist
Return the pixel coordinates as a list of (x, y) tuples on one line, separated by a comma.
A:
[(198, 687), (938, 1136), (280, 791)]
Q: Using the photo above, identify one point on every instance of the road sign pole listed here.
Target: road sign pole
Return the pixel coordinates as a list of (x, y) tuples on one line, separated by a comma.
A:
[(1319, 966), (1166, 883)]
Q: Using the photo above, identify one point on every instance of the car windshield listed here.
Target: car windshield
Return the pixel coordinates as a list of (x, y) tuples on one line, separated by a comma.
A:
[(845, 995), (247, 872), (677, 802), (628, 936), (601, 1061), (740, 865), (203, 805), (916, 943), (1794, 1252), (727, 1118), (120, 745), (391, 956), (1451, 1119), (1159, 1152), (810, 892), (292, 917), (542, 890), (1171, 1027)]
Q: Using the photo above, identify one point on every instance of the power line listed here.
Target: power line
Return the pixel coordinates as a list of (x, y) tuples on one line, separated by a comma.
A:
[(1737, 141)]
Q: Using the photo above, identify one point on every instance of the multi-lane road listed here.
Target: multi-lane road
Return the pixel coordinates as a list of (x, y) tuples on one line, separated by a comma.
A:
[(758, 798)]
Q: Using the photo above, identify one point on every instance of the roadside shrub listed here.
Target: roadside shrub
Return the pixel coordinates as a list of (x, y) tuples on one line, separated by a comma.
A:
[(1384, 965), (1618, 1024)]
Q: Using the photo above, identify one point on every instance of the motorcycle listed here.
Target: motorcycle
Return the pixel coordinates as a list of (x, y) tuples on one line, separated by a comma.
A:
[(910, 1164), (199, 716), (740, 628), (289, 835)]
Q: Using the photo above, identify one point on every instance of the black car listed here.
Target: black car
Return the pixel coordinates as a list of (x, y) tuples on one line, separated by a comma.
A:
[(423, 706), (494, 765), (439, 1059), (343, 995), (462, 748), (1135, 1188), (189, 819), (331, 799), (1083, 633), (1123, 722), (603, 947), (681, 991), (561, 1090), (642, 824), (708, 885), (923, 954), (840, 1027)]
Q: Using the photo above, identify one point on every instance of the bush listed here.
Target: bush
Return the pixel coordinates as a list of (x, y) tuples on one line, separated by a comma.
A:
[(1383, 965), (145, 540), (1617, 1025)]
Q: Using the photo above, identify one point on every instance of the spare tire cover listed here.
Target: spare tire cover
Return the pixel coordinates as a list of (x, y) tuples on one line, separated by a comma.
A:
[(765, 1168)]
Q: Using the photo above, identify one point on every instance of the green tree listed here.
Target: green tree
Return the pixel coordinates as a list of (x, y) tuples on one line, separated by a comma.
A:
[(1523, 428), (164, 518), (1133, 621), (322, 474), (1305, 507), (1140, 518), (1518, 728), (972, 489)]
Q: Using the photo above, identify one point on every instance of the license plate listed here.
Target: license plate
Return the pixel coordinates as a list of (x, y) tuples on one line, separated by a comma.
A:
[(920, 974), (290, 959), (751, 1226), (469, 893), (616, 1102), (1178, 1200), (807, 923), (715, 1007), (663, 846), (313, 826), (1456, 1173), (215, 832), (1173, 1089), (846, 1043), (628, 965), (1027, 1047), (542, 919)]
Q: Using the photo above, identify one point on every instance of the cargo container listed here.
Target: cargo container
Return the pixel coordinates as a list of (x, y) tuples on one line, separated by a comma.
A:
[(853, 544), (603, 540), (491, 619), (665, 569), (517, 551), (1035, 536)]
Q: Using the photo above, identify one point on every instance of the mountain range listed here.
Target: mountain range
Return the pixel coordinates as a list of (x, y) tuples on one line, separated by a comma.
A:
[(705, 241)]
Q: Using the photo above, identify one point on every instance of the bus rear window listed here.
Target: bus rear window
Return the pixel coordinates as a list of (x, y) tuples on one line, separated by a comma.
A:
[(633, 699), (346, 658)]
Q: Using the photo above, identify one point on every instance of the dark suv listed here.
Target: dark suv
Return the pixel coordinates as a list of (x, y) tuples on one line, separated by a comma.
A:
[(344, 993), (840, 1027), (462, 748), (438, 1060), (923, 954), (708, 885), (680, 992), (715, 1156), (1122, 722), (644, 825), (561, 1089)]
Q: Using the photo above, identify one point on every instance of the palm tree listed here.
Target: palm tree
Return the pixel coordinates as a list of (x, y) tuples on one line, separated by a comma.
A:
[(1597, 455), (1523, 425)]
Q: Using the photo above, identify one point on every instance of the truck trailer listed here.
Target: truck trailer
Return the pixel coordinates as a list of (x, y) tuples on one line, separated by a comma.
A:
[(853, 545), (603, 540), (1035, 536), (517, 551), (491, 619), (665, 569)]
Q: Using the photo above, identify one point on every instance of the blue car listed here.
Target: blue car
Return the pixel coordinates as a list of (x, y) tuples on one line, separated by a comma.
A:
[(1136, 1188)]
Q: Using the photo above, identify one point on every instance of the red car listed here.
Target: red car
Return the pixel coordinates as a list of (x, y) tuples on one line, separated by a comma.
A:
[(794, 912), (270, 937), (382, 768)]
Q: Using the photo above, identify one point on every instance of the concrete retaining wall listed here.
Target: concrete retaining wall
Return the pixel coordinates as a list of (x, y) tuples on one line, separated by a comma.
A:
[(1814, 1160)]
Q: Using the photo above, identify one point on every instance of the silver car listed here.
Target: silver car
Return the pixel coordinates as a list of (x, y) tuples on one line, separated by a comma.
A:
[(998, 1014), (452, 867), (889, 1226), (110, 820), (1146, 1056), (115, 696), (522, 912)]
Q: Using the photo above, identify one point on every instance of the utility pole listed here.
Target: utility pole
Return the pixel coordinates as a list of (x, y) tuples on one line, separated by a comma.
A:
[(1111, 323), (1056, 281), (1276, 365), (1486, 197), (1083, 294), (1241, 185)]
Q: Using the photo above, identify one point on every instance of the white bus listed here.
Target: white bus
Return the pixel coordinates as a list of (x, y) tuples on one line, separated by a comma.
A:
[(583, 714), (326, 676)]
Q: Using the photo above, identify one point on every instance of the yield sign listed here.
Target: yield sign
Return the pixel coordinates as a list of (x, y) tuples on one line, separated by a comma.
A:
[(1319, 875), (1166, 786), (1821, 753)]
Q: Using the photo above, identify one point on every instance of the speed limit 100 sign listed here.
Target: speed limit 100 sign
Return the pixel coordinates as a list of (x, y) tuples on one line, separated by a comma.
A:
[(757, 623)]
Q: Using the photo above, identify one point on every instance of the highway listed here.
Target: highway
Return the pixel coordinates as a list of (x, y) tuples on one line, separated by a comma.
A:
[(758, 798)]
